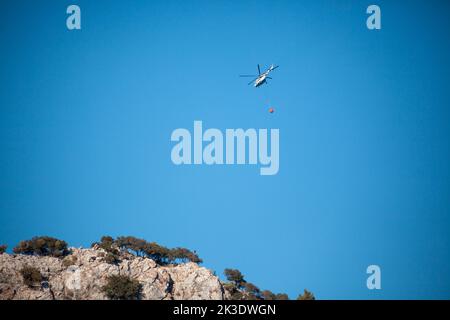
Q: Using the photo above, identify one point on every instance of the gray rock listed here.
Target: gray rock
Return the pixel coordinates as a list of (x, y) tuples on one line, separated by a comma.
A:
[(83, 273)]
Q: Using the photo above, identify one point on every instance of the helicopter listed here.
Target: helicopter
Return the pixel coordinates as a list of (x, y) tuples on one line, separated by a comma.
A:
[(261, 78)]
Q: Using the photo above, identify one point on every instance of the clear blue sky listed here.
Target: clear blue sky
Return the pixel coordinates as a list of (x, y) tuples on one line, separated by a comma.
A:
[(86, 118)]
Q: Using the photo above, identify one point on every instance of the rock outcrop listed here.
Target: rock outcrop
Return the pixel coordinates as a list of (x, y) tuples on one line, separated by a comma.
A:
[(84, 272)]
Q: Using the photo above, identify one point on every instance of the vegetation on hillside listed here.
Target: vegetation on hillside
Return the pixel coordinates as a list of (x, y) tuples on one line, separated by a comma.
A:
[(306, 296), (121, 287), (240, 289), (31, 276), (141, 248), (42, 246)]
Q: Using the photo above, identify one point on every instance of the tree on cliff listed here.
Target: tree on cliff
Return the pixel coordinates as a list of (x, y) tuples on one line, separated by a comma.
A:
[(235, 276), (183, 255), (42, 246), (132, 243), (155, 251)]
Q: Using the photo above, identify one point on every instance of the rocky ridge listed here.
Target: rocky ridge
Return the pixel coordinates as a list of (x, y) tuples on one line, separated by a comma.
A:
[(84, 272)]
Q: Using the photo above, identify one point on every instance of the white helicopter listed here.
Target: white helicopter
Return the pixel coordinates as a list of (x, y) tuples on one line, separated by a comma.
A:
[(261, 78)]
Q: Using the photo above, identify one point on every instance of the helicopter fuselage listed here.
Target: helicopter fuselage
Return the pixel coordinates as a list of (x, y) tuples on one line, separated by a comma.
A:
[(261, 80)]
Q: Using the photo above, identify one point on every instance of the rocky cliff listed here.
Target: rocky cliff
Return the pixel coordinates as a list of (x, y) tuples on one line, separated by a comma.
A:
[(84, 272)]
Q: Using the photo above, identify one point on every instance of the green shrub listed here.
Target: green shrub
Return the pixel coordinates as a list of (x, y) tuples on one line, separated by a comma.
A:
[(234, 276), (121, 287), (3, 248), (268, 295), (252, 289), (228, 286), (31, 276), (233, 291), (69, 261), (281, 296), (240, 289), (42, 246), (246, 291), (307, 295), (112, 258), (108, 244)]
